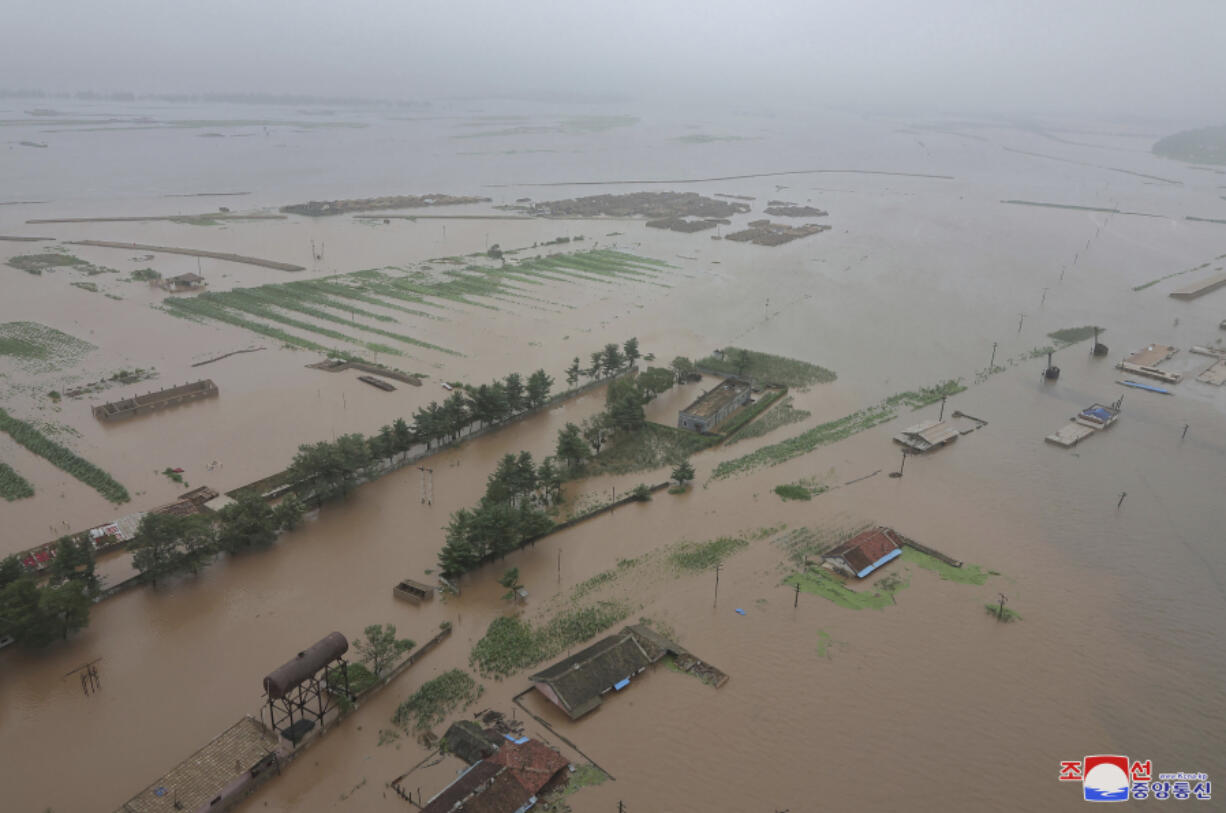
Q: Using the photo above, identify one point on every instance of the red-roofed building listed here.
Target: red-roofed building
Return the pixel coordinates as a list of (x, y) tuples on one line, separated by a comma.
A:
[(864, 552), (506, 782), (533, 764)]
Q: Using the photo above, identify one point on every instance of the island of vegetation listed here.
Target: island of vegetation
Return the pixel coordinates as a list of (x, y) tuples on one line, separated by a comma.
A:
[(320, 208), (782, 208), (766, 233), (654, 205), (682, 224), (1204, 146)]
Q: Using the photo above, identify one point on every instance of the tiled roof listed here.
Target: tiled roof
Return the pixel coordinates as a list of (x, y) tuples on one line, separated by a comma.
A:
[(579, 680), (465, 785), (532, 763), (866, 549)]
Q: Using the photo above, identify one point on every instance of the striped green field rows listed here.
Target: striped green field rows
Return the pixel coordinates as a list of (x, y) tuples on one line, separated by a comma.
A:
[(12, 485), (62, 458), (269, 309)]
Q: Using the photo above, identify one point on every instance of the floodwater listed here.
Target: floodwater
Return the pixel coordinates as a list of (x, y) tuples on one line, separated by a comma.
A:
[(929, 704)]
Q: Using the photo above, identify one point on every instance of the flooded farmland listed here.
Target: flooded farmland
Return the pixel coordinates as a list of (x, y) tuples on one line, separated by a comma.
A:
[(926, 275)]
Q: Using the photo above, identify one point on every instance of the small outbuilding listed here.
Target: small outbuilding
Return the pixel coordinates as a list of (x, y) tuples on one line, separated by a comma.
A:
[(577, 684), (927, 435), (184, 282), (713, 407), (864, 552), (469, 742)]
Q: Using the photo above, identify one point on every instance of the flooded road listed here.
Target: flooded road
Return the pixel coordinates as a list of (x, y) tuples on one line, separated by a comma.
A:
[(1120, 649)]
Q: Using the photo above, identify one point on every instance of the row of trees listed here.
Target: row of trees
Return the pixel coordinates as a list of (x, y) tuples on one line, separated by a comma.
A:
[(35, 612), (623, 413), (330, 469), (605, 362), (168, 545), (512, 511)]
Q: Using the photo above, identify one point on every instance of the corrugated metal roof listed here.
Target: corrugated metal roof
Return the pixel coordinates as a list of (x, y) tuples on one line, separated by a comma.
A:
[(866, 551)]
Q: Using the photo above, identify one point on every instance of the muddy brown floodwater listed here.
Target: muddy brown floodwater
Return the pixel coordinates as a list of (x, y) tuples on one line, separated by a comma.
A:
[(927, 704)]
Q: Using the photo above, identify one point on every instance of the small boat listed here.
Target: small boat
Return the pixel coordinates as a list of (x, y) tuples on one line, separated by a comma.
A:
[(1146, 387)]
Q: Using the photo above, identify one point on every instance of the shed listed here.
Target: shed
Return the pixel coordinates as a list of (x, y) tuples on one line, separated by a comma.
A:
[(711, 408), (927, 435), (576, 684), (185, 281), (466, 740), (864, 552)]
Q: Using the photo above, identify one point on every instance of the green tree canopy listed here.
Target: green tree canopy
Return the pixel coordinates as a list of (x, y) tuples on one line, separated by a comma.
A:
[(248, 524), (381, 648)]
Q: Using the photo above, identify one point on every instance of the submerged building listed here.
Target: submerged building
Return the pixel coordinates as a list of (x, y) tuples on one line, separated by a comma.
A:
[(864, 552), (713, 407), (577, 683)]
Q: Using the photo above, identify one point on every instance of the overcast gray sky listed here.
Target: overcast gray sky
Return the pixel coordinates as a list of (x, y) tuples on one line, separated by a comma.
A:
[(1161, 57)]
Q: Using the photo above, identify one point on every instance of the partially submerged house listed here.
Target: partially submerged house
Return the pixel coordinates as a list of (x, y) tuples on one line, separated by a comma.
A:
[(507, 782), (927, 435), (864, 552), (713, 407), (577, 684), (532, 764), (183, 282)]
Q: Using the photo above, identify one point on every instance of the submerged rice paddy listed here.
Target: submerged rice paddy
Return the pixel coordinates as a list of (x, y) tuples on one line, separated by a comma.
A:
[(362, 301)]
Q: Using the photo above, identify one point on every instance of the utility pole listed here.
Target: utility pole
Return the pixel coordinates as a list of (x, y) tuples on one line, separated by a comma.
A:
[(992, 363), (559, 565), (796, 598), (1123, 494), (1185, 431), (1000, 611), (718, 567), (903, 464), (427, 485), (941, 417), (1022, 318), (1044, 299)]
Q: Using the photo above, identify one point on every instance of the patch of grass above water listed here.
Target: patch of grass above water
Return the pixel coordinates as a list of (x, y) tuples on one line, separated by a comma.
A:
[(437, 698), (12, 485), (817, 581), (1072, 335), (782, 415), (823, 643), (511, 643), (747, 414), (925, 396), (40, 348), (651, 447), (767, 368), (38, 263), (697, 556), (1006, 616), (806, 442), (967, 574)]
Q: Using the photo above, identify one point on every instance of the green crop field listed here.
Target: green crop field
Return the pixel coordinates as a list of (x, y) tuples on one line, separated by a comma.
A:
[(363, 308), (62, 458), (767, 368), (39, 348), (12, 485)]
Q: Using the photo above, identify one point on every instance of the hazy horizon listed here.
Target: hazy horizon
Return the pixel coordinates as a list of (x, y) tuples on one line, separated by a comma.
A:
[(1143, 59)]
